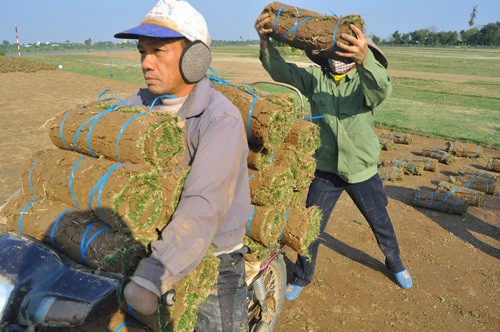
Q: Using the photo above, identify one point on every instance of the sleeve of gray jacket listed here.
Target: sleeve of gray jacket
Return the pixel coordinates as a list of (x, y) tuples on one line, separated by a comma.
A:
[(207, 195)]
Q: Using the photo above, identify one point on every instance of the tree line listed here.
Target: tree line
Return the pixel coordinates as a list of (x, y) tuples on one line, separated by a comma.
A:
[(6, 47), (488, 35), (485, 36)]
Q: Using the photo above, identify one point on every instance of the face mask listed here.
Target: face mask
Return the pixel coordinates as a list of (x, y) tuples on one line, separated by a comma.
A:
[(339, 67)]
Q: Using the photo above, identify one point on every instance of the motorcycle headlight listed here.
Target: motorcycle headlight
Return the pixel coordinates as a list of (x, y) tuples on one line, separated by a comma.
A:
[(54, 311), (6, 289)]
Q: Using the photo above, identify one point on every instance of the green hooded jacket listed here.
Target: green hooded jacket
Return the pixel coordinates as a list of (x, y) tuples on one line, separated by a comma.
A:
[(349, 146)]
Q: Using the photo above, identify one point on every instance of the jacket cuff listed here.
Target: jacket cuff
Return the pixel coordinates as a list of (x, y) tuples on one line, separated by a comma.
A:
[(264, 54), (153, 275), (144, 283), (369, 61)]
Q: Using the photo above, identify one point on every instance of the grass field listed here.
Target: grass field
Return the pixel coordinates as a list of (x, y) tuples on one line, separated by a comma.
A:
[(452, 93)]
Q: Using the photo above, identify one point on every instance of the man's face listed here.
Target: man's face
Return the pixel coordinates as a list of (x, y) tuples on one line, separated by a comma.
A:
[(160, 66)]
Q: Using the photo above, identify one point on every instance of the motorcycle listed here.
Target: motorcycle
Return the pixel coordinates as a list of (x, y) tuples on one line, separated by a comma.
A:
[(266, 294), (42, 290)]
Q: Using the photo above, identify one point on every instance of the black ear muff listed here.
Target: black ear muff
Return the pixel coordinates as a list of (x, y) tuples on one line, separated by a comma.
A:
[(195, 60)]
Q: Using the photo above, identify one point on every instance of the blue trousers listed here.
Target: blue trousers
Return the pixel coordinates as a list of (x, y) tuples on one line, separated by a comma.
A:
[(226, 308), (370, 198)]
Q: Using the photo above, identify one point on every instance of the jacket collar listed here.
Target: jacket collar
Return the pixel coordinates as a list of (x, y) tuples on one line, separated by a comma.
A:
[(197, 101), (351, 73), (195, 104)]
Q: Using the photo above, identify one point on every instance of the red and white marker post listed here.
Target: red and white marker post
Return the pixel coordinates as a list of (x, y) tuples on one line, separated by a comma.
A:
[(18, 44)]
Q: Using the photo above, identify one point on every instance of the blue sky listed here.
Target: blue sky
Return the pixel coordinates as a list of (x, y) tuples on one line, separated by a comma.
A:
[(77, 20)]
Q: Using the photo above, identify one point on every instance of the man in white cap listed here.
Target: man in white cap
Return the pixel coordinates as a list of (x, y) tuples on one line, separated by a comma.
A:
[(173, 41), (343, 96)]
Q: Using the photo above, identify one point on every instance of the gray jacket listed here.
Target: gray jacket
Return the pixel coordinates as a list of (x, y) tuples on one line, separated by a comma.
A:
[(215, 202)]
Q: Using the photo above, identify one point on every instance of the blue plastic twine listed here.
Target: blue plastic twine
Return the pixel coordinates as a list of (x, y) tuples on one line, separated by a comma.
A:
[(85, 245), (292, 29), (255, 97), (444, 201), (250, 112), (295, 26), (249, 225), (129, 121), (61, 129), (431, 204), (221, 81), (89, 134), (118, 138), (218, 80), (122, 325), (314, 118), (393, 172), (250, 177), (113, 98), (32, 191), (131, 312), (475, 179), (249, 90), (285, 217), (166, 96), (20, 219), (70, 181), (99, 186), (334, 36), (271, 159), (277, 17), (333, 13), (53, 232), (83, 125)]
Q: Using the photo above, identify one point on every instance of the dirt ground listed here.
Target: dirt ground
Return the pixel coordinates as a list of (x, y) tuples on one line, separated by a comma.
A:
[(454, 260)]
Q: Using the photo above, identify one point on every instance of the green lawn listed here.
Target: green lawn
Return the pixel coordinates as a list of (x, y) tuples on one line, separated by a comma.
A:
[(125, 70), (466, 108)]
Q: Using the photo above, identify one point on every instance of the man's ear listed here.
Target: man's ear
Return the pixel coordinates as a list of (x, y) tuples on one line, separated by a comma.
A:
[(195, 60)]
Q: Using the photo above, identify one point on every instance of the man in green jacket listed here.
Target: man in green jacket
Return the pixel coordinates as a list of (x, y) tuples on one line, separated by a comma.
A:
[(342, 97)]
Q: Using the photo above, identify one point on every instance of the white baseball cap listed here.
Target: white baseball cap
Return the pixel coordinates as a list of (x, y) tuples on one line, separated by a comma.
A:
[(171, 19)]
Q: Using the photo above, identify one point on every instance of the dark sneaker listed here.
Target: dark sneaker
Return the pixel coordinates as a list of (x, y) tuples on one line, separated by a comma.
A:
[(292, 292), (403, 279)]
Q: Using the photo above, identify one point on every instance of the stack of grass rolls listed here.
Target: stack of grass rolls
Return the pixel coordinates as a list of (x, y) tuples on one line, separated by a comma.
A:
[(105, 191)]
